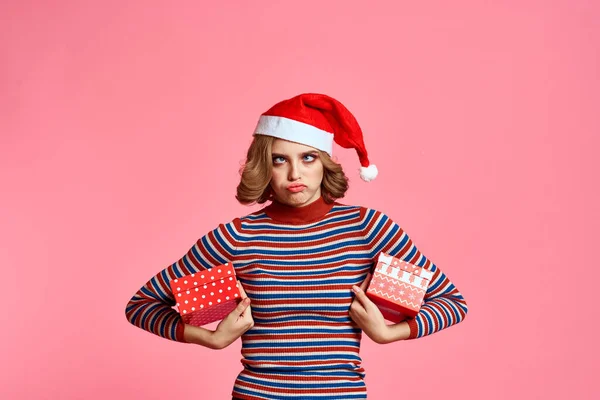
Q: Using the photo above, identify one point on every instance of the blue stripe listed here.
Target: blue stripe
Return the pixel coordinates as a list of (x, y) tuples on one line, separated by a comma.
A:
[(453, 308), (187, 262), (208, 248), (360, 268), (358, 256), (410, 254), (153, 321), (163, 324), (298, 238), (271, 282), (300, 397), (460, 305), (438, 317), (320, 373), (303, 385), (282, 357), (140, 309), (256, 217), (301, 318), (348, 369), (267, 309), (173, 331), (419, 326), (433, 286), (159, 294), (286, 249), (447, 313), (148, 310), (318, 295), (264, 331), (429, 321), (223, 242), (378, 226), (377, 230), (148, 293), (395, 250), (131, 305), (368, 218), (301, 344), (167, 279), (419, 262), (177, 271)]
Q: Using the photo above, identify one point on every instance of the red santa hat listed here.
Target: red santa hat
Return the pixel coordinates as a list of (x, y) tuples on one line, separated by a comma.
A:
[(317, 120)]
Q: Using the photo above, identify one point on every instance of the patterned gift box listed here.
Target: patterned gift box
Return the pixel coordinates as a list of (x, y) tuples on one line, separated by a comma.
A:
[(206, 296), (398, 287)]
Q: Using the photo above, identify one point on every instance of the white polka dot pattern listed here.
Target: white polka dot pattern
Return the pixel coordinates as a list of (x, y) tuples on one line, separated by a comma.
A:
[(207, 297)]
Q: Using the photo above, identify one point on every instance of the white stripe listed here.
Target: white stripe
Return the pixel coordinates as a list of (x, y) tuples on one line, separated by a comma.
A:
[(273, 329), (296, 309), (295, 131), (318, 352), (293, 342), (278, 391), (289, 292)]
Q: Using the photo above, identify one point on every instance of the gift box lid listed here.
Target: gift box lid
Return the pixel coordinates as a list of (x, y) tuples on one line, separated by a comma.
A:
[(204, 277), (401, 265)]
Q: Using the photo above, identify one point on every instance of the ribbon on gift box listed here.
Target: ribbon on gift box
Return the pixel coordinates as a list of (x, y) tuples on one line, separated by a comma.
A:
[(403, 271)]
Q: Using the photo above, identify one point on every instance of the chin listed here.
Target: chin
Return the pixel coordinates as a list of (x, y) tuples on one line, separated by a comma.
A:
[(296, 198)]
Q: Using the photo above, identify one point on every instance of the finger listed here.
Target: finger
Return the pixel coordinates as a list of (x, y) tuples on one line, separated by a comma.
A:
[(366, 282), (357, 307), (360, 295), (241, 289), (241, 307), (357, 312)]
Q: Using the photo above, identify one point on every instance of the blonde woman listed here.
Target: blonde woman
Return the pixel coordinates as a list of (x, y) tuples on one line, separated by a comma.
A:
[(303, 262)]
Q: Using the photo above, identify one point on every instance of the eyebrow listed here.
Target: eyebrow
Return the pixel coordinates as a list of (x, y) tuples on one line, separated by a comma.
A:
[(306, 153)]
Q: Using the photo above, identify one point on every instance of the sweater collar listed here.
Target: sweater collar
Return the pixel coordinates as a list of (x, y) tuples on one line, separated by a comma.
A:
[(298, 215)]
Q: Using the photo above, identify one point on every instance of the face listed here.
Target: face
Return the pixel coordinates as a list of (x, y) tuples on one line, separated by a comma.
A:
[(297, 173)]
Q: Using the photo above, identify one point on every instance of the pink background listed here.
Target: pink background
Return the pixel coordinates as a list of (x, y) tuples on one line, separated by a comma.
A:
[(123, 125)]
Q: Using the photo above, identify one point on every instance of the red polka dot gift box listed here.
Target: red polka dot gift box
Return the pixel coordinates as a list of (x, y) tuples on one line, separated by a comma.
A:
[(398, 287), (206, 296)]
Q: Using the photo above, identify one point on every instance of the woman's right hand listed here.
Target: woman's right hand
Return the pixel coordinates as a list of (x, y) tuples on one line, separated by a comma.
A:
[(235, 324)]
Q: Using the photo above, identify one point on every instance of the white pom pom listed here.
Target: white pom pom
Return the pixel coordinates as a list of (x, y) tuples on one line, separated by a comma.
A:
[(369, 173)]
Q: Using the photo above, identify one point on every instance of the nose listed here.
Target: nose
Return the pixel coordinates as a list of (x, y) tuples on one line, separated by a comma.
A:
[(293, 173)]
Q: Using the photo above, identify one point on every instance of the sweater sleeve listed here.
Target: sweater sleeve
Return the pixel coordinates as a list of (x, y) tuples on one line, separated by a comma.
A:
[(151, 307), (444, 305)]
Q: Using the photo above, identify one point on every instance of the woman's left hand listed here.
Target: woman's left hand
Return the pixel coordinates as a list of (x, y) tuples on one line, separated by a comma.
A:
[(366, 314)]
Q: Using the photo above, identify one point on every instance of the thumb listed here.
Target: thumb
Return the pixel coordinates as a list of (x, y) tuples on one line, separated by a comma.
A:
[(241, 307)]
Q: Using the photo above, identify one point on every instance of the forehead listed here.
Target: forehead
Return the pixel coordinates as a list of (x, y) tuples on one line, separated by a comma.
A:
[(283, 146)]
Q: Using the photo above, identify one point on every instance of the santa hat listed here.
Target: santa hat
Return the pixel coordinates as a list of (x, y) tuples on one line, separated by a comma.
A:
[(317, 120)]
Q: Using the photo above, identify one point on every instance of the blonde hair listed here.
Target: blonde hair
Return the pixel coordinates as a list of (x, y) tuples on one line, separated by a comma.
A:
[(254, 186)]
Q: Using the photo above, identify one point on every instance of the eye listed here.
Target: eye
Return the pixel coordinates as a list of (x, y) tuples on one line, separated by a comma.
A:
[(311, 157), (278, 160)]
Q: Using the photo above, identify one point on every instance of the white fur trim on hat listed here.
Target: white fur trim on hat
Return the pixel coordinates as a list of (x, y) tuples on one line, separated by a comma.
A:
[(368, 173), (295, 131)]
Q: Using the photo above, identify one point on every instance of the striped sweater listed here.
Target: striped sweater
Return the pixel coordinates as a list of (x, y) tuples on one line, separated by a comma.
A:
[(298, 265)]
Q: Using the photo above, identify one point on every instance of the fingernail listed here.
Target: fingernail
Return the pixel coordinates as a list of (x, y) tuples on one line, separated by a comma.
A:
[(355, 289)]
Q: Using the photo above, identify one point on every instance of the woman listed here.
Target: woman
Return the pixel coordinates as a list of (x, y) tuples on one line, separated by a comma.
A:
[(303, 263)]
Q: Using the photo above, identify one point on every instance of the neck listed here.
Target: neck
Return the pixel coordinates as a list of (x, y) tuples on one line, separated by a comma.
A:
[(298, 215)]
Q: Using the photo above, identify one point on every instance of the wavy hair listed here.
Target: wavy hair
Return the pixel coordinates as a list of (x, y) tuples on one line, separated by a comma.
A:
[(256, 173)]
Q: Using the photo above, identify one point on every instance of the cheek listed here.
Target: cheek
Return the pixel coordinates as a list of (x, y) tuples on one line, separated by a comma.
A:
[(276, 175), (316, 173)]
